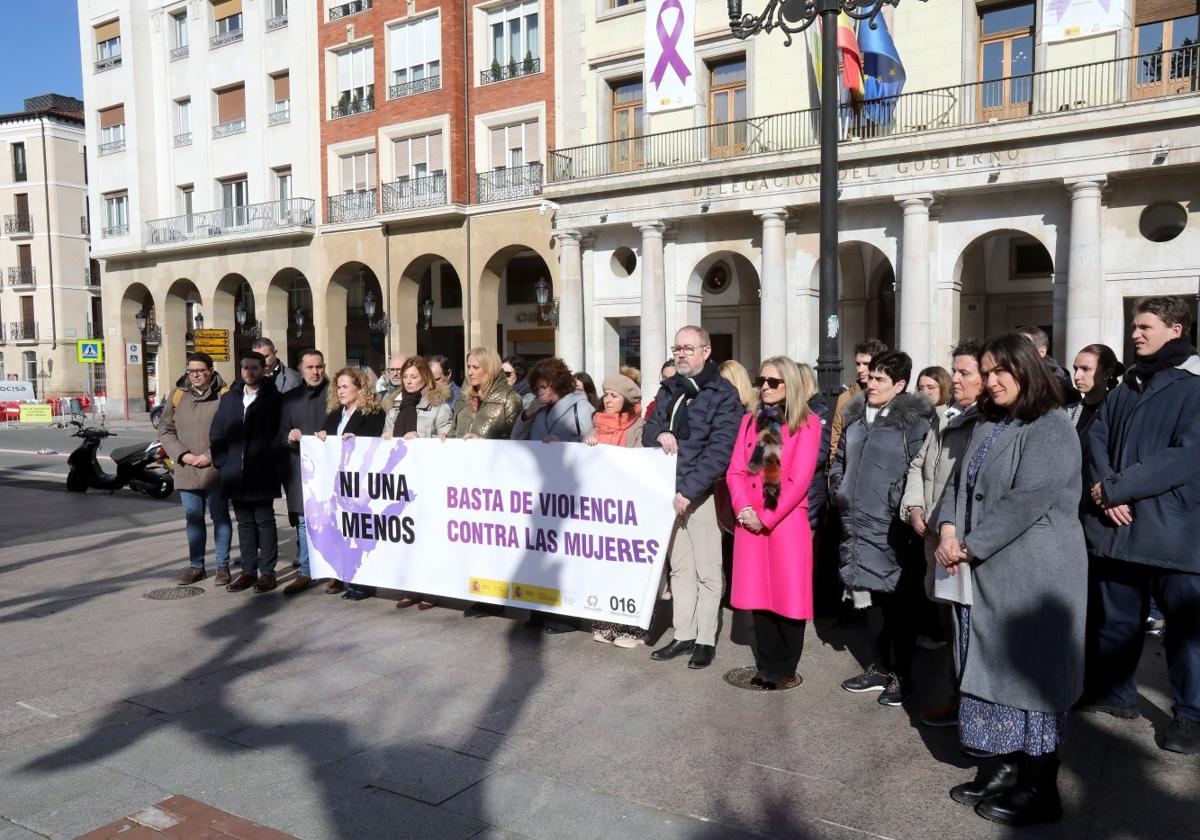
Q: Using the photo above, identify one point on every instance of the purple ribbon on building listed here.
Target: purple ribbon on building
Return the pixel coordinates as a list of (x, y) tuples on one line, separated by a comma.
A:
[(669, 57)]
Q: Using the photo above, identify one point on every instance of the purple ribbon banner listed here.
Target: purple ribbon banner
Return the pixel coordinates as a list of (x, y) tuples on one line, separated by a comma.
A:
[(669, 57)]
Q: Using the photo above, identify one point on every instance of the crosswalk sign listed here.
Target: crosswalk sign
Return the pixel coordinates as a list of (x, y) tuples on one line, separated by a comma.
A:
[(89, 351)]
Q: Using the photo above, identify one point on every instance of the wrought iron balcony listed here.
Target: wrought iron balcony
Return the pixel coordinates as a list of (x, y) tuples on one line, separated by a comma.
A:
[(277, 22), (513, 70), (91, 279), (111, 147), (352, 8), (414, 193), (22, 276), (22, 331), (506, 184), (350, 207), (108, 63), (414, 87), (184, 139), (223, 38), (226, 129), (267, 216), (113, 231), (1033, 96), (18, 224), (347, 108), (280, 116), (180, 53)]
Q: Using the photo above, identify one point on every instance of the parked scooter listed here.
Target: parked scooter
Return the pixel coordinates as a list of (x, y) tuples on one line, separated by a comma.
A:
[(144, 467)]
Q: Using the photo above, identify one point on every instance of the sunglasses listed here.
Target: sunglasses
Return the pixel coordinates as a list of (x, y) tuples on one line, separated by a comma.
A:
[(770, 381)]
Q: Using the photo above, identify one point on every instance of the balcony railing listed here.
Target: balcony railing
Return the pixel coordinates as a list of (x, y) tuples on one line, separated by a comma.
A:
[(223, 38), (91, 279), (414, 87), (112, 147), (22, 331), (184, 139), (351, 8), (512, 70), (1033, 96), (350, 207), (108, 63), (505, 184), (349, 108), (225, 129), (152, 334), (280, 116), (414, 193), (180, 53), (267, 216), (277, 22), (22, 275), (113, 231), (18, 224)]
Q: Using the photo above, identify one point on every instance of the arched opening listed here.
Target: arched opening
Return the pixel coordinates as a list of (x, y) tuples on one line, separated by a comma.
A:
[(1006, 280), (509, 282), (182, 314), (429, 301), (288, 320), (139, 324), (727, 286), (866, 298), (355, 294)]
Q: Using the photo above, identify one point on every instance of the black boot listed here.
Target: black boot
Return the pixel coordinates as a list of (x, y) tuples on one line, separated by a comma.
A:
[(996, 775), (1034, 799)]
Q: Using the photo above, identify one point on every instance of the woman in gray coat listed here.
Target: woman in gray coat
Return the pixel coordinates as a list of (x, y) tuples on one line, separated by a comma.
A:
[(1012, 514)]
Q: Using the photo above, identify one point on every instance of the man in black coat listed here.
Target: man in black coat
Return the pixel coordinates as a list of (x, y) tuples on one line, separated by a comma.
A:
[(303, 413), (696, 416), (244, 442), (1143, 531)]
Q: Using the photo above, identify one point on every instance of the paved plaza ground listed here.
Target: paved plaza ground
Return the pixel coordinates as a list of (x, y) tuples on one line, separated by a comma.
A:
[(323, 718)]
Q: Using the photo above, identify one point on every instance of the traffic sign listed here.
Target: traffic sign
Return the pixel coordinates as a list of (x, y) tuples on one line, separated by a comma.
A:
[(133, 353), (213, 342), (89, 351), (36, 413)]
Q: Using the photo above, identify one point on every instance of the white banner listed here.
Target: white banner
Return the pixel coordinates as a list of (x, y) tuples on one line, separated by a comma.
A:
[(12, 390), (1063, 20), (559, 527), (670, 71)]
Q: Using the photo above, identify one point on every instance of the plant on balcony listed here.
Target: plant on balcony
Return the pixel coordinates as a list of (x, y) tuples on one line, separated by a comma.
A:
[(369, 102), (512, 68), (344, 101), (529, 62), (495, 68)]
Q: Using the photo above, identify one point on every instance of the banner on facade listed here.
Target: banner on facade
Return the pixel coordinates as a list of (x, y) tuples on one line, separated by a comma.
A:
[(15, 390), (563, 528), (670, 70), (1064, 20)]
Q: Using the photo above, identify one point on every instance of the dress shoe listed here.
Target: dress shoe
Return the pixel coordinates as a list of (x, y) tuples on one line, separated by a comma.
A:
[(759, 678), (356, 593), (784, 684), (1032, 800), (945, 716), (335, 586), (404, 603), (702, 656), (996, 775), (242, 583), (298, 585), (191, 575), (675, 648), (1183, 736), (223, 577), (426, 604), (265, 583)]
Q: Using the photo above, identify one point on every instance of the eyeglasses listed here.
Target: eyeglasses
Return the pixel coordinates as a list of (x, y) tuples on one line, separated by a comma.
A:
[(395, 370), (687, 349), (196, 371), (770, 381)]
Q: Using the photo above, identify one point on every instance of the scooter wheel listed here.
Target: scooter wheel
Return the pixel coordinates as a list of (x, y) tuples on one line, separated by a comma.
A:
[(164, 489), (76, 484)]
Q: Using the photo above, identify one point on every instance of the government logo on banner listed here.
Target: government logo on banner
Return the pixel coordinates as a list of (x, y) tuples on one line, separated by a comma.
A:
[(670, 72)]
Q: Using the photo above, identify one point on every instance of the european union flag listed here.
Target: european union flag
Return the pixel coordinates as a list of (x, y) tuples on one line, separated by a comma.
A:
[(883, 70)]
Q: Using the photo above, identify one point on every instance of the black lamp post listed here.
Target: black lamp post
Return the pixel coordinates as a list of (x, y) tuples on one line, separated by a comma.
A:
[(793, 17)]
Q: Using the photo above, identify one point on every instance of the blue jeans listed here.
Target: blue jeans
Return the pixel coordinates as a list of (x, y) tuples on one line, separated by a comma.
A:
[(194, 502), (302, 547)]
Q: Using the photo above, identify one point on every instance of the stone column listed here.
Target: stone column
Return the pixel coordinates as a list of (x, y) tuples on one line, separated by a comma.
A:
[(772, 279), (591, 338), (914, 302), (653, 337), (570, 298), (1083, 267)]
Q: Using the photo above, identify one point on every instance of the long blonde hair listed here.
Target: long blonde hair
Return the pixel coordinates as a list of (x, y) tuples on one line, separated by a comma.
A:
[(797, 395), (368, 400), (734, 373), (489, 362), (808, 381)]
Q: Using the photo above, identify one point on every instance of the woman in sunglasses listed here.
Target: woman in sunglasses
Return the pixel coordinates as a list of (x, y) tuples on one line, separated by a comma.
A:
[(769, 475)]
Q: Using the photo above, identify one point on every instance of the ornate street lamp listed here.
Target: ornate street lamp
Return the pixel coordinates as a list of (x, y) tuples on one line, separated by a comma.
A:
[(199, 320), (427, 312), (240, 314), (369, 307), (793, 17), (298, 319), (546, 310), (140, 319)]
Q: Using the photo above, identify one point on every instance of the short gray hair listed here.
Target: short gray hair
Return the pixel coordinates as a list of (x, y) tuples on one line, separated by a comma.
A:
[(705, 338), (263, 341)]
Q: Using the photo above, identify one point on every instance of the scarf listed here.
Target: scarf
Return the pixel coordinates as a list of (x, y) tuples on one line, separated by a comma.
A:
[(612, 428), (768, 452), (688, 390), (406, 414), (1172, 354)]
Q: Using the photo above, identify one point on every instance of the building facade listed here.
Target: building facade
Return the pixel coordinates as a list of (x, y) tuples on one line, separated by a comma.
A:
[(1023, 177), (50, 295)]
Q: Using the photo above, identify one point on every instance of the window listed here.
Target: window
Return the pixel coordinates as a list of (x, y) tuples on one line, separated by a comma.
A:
[(20, 171), (356, 81), (112, 129), (108, 45), (358, 172), (186, 204), (29, 357), (116, 215), (1006, 61), (279, 8), (235, 196), (727, 104), (283, 187), (25, 256), (183, 117), (179, 36), (514, 146), (281, 91), (415, 52), (231, 111), (619, 4), (417, 157), (627, 124), (1165, 41), (514, 41), (227, 15)]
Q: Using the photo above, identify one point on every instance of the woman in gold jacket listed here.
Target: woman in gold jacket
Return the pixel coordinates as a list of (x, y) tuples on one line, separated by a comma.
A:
[(487, 406)]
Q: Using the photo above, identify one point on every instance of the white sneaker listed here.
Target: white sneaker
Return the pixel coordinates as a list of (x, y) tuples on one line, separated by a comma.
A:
[(601, 637), (626, 642)]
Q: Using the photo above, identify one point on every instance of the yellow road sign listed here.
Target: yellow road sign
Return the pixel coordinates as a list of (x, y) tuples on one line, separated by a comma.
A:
[(89, 351)]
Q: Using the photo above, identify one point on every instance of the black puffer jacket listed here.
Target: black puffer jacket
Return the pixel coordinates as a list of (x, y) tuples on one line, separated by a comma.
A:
[(304, 409), (867, 480), (818, 491), (245, 443)]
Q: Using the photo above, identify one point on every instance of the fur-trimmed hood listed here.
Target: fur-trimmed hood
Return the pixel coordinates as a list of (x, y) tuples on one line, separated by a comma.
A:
[(437, 395), (902, 412)]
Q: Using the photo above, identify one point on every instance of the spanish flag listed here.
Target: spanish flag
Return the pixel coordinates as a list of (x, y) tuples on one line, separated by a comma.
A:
[(852, 57)]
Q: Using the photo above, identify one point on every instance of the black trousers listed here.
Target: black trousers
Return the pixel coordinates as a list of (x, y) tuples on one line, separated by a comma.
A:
[(258, 539), (778, 643), (901, 613)]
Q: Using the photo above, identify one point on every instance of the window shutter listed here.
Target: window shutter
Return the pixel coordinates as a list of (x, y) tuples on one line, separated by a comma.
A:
[(419, 154), (532, 146), (436, 164), (108, 31), (398, 47), (283, 87), (499, 155), (515, 136), (416, 44), (1152, 11), (370, 185), (345, 71), (400, 158), (433, 38), (112, 116), (347, 173), (224, 8)]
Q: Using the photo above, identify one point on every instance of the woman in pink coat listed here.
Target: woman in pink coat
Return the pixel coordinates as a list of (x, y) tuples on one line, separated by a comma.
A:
[(769, 474)]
